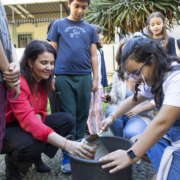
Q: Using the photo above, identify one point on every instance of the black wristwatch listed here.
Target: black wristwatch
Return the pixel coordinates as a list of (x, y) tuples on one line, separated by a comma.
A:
[(133, 156)]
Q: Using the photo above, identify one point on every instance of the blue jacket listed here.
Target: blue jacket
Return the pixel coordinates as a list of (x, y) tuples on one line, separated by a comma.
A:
[(104, 81), (172, 45), (171, 49)]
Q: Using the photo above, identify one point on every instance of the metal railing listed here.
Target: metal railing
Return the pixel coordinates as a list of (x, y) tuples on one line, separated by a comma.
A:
[(24, 31)]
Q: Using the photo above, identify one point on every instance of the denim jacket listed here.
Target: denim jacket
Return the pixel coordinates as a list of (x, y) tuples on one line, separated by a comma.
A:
[(172, 45), (104, 81)]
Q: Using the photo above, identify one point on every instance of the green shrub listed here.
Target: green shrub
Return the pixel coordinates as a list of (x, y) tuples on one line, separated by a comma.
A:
[(105, 106), (48, 108), (108, 89)]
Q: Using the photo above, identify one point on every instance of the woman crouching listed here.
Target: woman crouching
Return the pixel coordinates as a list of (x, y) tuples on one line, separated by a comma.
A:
[(29, 130)]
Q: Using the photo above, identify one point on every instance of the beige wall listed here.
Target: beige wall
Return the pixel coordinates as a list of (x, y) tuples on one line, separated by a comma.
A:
[(38, 31), (109, 56), (175, 32)]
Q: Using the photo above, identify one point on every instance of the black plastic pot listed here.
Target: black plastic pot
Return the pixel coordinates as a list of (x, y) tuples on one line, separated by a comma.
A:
[(83, 169)]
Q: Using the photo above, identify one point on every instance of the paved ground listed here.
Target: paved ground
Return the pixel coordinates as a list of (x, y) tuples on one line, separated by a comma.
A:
[(143, 171)]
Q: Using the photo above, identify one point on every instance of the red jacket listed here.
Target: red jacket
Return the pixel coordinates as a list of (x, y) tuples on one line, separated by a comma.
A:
[(25, 108)]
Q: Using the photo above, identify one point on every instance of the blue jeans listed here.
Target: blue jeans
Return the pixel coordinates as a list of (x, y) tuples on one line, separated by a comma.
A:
[(132, 126), (156, 152)]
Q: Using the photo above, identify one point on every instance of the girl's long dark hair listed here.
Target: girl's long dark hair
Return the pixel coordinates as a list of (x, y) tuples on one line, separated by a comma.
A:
[(49, 25), (164, 32), (120, 70), (141, 49), (32, 51), (98, 31)]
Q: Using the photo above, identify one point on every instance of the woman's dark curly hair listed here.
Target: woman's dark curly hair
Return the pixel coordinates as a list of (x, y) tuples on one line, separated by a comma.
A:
[(120, 70), (140, 49), (32, 51)]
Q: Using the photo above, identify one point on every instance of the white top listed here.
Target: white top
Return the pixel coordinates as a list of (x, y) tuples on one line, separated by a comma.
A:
[(172, 97), (171, 89), (118, 91), (99, 70), (166, 160)]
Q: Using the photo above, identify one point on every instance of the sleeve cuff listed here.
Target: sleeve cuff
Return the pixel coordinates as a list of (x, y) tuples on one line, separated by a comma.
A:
[(42, 135), (115, 98)]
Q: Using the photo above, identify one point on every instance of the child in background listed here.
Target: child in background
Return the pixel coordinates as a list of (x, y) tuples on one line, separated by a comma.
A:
[(157, 29), (75, 42), (52, 95), (102, 82)]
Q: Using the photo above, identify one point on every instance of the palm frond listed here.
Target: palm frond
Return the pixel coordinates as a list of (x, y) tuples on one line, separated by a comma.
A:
[(130, 15)]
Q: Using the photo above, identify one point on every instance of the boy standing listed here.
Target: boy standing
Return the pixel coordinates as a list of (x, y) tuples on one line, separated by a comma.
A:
[(75, 42)]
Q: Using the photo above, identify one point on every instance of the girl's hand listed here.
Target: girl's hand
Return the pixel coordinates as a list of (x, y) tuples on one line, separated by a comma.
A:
[(106, 123), (80, 150), (13, 74), (118, 158), (16, 89), (95, 85), (133, 112), (104, 98), (53, 84)]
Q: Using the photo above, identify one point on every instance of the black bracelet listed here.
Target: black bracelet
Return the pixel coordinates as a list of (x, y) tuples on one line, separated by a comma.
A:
[(136, 140)]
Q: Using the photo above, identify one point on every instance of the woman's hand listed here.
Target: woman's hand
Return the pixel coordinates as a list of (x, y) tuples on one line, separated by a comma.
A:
[(133, 112), (118, 158), (106, 123), (104, 98), (79, 149)]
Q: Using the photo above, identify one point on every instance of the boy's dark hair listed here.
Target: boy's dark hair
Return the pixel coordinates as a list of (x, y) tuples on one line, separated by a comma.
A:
[(98, 31), (81, 0), (32, 51), (158, 15), (49, 25), (146, 49)]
